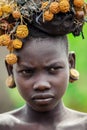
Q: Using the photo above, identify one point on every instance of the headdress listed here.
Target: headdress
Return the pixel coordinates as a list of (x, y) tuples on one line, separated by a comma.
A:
[(54, 17)]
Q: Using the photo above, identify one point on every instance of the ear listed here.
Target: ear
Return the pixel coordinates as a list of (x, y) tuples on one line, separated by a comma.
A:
[(74, 74), (10, 80), (72, 59)]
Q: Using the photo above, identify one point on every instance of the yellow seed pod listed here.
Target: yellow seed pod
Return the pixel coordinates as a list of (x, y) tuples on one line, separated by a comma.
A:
[(79, 3), (22, 31), (1, 13), (16, 14), (48, 16), (80, 14), (44, 5), (17, 44), (64, 6), (7, 8), (10, 46), (5, 40), (14, 5), (54, 7), (11, 59)]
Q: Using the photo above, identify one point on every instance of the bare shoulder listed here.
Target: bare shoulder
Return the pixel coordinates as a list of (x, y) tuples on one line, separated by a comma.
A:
[(74, 120), (77, 114), (81, 119), (12, 121), (8, 120)]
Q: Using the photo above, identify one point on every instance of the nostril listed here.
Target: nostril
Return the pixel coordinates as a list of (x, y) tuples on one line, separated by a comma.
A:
[(41, 86)]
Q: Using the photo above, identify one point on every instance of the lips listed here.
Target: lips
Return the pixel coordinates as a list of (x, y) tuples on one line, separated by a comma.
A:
[(42, 99)]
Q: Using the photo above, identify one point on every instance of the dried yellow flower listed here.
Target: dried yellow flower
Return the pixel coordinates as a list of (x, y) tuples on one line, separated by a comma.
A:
[(10, 46), (5, 40), (14, 5), (54, 7), (11, 59), (1, 13), (48, 16), (79, 3), (44, 5), (64, 6), (22, 31), (17, 44), (7, 8), (16, 14), (80, 14)]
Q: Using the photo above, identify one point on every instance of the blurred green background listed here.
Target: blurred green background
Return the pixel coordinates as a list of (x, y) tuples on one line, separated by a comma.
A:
[(76, 94)]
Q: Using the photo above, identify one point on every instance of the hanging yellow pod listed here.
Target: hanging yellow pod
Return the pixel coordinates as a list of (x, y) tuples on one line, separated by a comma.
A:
[(22, 31), (16, 14), (11, 58), (5, 40), (1, 13), (79, 3), (54, 7), (17, 44), (10, 46), (48, 16), (7, 8), (64, 6), (44, 5)]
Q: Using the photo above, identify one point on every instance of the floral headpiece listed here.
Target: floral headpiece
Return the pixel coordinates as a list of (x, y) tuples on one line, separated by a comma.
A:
[(15, 16)]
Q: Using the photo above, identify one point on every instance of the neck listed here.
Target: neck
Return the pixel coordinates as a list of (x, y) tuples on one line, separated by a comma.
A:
[(55, 115)]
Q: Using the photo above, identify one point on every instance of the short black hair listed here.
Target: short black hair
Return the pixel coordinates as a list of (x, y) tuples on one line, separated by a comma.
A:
[(36, 34)]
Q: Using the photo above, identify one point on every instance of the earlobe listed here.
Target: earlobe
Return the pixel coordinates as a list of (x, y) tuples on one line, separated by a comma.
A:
[(9, 68), (10, 80)]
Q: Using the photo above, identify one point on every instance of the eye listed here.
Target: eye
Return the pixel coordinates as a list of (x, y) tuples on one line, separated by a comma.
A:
[(53, 70), (26, 72)]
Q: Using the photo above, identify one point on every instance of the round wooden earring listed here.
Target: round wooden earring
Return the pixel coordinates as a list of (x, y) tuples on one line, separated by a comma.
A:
[(10, 82), (74, 75)]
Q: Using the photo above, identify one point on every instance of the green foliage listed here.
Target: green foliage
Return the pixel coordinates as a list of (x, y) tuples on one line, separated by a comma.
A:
[(17, 99), (76, 95)]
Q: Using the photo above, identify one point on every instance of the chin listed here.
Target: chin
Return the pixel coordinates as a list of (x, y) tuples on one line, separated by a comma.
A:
[(43, 105), (44, 108)]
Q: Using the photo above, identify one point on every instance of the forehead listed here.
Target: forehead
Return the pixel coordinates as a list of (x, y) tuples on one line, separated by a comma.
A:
[(42, 49)]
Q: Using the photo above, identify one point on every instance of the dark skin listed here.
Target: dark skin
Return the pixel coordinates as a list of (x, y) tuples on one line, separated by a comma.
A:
[(42, 75)]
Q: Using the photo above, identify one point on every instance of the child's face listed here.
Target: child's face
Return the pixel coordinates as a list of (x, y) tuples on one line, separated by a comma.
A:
[(42, 73)]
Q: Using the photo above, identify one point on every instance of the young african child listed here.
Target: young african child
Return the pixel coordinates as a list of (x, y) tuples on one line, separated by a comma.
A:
[(41, 70)]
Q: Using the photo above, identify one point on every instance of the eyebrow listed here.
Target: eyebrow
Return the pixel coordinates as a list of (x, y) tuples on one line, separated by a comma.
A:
[(45, 66), (55, 63), (25, 66)]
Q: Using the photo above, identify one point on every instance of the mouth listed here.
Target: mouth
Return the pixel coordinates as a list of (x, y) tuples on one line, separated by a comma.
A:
[(42, 99)]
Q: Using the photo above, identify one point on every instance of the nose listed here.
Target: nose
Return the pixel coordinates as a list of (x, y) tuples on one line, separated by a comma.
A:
[(42, 85)]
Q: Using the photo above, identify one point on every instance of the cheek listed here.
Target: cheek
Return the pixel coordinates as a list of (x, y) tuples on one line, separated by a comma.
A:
[(23, 86), (61, 84)]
